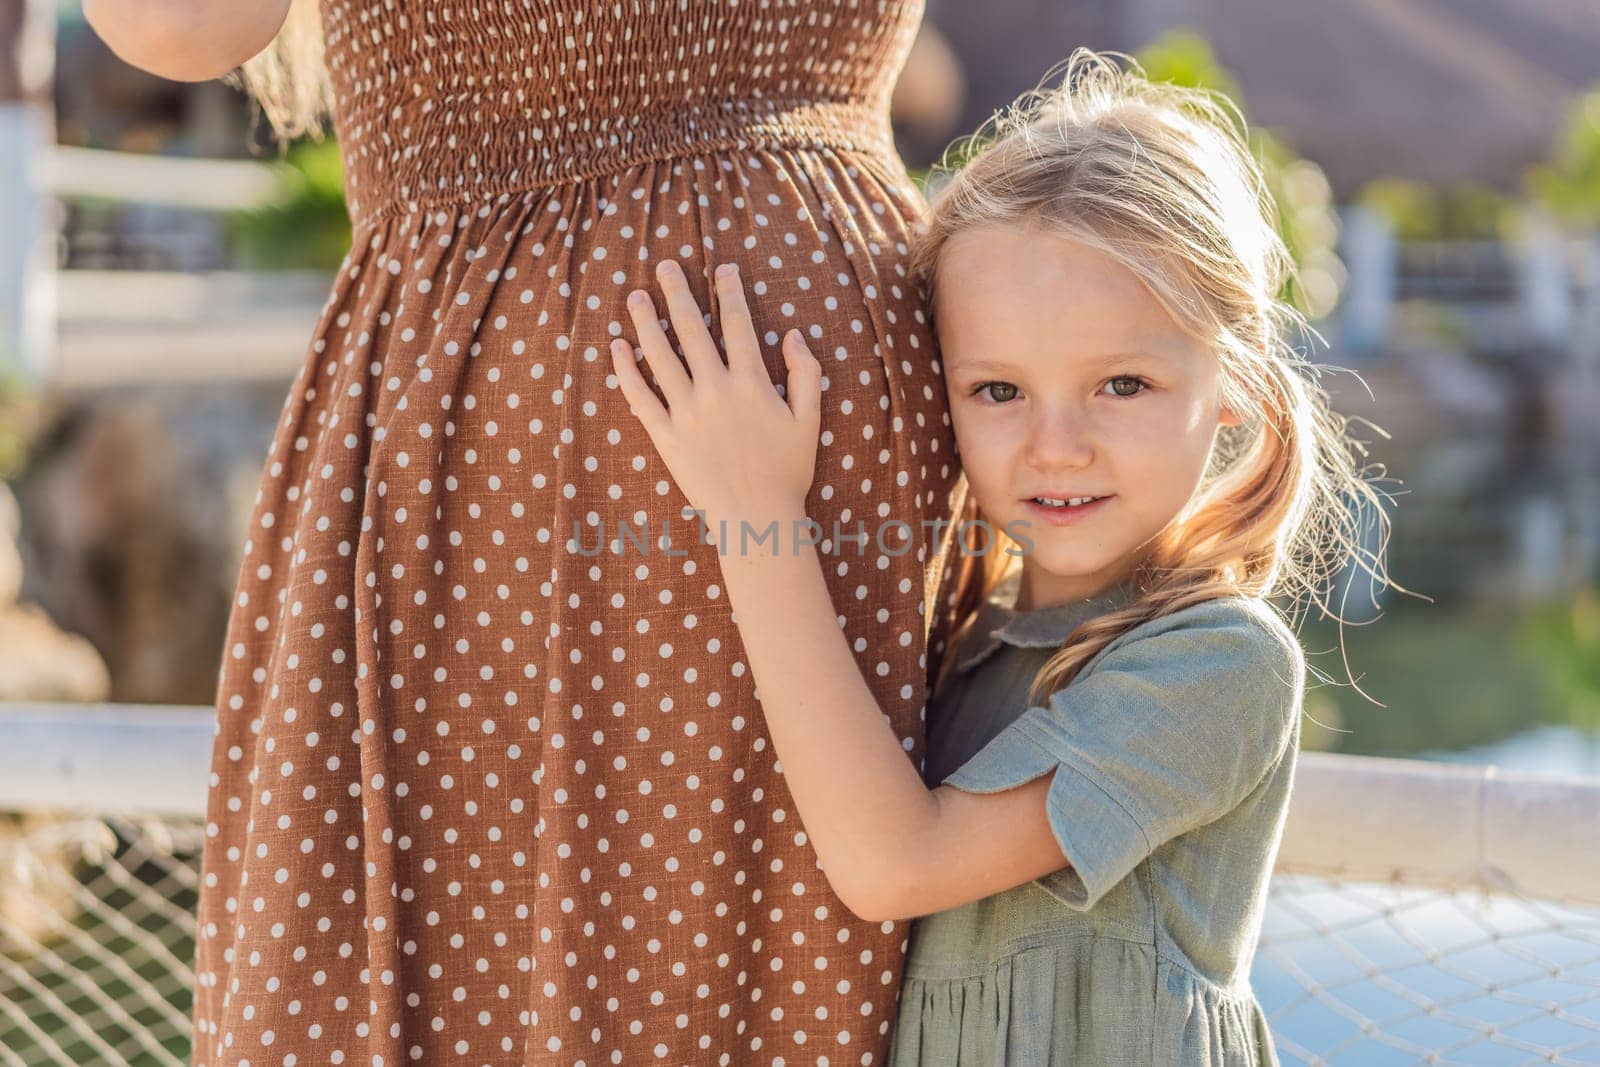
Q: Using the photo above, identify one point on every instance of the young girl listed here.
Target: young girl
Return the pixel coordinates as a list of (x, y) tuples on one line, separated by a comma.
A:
[(1146, 460)]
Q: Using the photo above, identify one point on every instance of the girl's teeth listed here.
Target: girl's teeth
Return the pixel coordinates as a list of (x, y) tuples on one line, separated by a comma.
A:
[(1074, 502)]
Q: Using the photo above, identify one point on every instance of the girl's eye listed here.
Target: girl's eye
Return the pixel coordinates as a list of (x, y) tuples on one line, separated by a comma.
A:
[(997, 391), (1139, 385)]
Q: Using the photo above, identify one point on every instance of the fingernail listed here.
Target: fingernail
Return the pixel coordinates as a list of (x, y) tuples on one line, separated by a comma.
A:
[(636, 298), (727, 270)]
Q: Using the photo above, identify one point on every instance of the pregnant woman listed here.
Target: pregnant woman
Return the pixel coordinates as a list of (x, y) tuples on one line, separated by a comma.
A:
[(490, 783)]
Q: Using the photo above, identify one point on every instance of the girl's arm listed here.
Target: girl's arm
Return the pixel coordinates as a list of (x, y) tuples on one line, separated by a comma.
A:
[(185, 40), (890, 847)]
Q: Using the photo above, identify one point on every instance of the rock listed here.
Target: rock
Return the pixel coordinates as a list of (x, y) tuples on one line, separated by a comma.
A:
[(132, 527), (41, 663)]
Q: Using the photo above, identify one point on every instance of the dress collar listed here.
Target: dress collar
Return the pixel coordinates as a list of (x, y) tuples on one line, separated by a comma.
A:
[(999, 622)]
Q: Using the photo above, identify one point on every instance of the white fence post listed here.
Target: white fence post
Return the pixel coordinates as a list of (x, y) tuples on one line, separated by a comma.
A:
[(27, 226), (1544, 289), (1371, 256)]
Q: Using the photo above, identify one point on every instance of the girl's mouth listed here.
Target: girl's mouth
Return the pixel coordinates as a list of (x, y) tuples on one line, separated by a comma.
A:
[(1058, 512)]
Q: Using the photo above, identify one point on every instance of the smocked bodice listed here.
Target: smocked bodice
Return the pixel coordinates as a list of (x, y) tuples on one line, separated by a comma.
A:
[(454, 102)]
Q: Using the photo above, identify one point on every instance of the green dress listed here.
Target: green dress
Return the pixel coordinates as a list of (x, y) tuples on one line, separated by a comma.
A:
[(1174, 753)]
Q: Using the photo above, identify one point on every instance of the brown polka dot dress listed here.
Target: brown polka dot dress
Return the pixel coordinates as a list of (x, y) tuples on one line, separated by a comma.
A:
[(490, 783)]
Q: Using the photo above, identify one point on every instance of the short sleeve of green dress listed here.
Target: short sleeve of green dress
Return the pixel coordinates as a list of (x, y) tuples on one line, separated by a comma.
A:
[(1173, 756)]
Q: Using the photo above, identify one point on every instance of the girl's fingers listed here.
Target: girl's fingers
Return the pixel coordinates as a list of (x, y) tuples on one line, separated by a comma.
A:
[(641, 401), (657, 349), (804, 389), (738, 331), (687, 321)]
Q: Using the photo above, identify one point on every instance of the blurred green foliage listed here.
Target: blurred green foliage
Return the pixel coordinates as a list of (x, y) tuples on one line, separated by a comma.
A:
[(1564, 638), (1306, 217), (1449, 679), (307, 226), (21, 413), (1183, 56), (1422, 212), (1569, 185)]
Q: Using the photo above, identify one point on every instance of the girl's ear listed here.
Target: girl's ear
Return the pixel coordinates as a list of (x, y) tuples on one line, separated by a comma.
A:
[(1228, 418)]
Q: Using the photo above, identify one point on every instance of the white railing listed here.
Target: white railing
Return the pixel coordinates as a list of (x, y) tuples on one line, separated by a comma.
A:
[(1419, 913), (93, 759), (177, 181)]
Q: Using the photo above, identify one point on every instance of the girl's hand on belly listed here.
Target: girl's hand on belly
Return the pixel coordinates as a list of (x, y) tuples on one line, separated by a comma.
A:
[(736, 448)]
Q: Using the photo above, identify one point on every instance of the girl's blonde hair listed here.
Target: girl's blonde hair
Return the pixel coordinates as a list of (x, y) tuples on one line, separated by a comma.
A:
[(289, 78), (1161, 178)]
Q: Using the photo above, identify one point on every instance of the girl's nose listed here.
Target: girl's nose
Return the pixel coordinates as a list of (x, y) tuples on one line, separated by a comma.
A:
[(1060, 440)]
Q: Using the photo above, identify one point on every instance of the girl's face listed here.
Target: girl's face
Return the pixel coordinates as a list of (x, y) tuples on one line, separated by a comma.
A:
[(1068, 379)]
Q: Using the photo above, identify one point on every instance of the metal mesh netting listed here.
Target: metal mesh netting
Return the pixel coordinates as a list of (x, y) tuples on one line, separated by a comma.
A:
[(97, 937), (1377, 974)]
